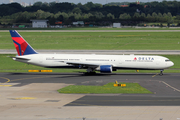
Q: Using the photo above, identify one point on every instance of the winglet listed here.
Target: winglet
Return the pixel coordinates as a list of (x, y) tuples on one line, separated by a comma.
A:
[(22, 47)]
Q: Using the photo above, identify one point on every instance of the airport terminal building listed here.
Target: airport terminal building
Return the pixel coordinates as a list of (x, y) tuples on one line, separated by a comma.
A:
[(39, 23)]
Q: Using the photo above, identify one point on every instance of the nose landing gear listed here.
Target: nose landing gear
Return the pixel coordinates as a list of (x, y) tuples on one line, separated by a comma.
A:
[(161, 72)]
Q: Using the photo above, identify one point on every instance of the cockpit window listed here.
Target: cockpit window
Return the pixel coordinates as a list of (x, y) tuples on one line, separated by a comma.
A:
[(167, 60)]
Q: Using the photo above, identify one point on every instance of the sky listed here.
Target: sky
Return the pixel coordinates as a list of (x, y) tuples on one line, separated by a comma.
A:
[(78, 1)]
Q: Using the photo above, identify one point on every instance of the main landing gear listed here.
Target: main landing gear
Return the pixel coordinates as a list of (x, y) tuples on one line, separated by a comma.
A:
[(90, 71), (161, 72)]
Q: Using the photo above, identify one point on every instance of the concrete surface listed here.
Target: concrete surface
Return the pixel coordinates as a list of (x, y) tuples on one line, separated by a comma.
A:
[(35, 97)]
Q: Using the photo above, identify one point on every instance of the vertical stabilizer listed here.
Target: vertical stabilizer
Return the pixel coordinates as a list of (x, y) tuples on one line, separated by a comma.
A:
[(22, 47)]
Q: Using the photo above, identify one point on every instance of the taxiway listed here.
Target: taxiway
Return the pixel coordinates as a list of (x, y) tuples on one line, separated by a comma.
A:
[(35, 96)]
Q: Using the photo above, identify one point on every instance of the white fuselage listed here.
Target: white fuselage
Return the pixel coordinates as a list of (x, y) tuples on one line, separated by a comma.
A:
[(138, 62)]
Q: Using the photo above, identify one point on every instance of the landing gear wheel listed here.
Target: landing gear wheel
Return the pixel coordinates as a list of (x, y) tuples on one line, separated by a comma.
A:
[(161, 73), (90, 71)]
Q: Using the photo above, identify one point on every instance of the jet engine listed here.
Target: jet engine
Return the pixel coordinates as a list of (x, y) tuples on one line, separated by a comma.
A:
[(105, 69)]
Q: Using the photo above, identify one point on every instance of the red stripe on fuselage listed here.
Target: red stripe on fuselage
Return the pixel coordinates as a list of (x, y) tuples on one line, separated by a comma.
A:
[(23, 44)]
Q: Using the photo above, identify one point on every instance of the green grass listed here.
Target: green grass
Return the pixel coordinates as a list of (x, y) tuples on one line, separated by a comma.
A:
[(97, 40), (9, 65), (105, 89)]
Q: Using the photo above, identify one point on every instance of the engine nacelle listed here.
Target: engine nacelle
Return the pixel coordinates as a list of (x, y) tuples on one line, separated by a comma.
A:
[(105, 69)]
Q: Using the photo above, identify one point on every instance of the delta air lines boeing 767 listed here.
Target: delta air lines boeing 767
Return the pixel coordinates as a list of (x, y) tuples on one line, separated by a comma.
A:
[(91, 62)]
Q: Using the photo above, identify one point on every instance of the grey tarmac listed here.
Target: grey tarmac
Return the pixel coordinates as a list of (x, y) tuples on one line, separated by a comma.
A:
[(34, 96)]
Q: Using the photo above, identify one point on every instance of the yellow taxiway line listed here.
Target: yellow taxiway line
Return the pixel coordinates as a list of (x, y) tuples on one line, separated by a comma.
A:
[(2, 84), (23, 98), (155, 75)]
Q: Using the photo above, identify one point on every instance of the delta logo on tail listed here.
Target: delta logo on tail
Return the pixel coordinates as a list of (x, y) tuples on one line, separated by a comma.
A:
[(22, 47)]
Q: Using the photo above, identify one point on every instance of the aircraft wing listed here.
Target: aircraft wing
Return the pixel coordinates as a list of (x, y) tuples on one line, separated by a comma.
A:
[(93, 65)]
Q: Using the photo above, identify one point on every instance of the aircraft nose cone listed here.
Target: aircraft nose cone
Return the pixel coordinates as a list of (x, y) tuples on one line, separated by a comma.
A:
[(171, 64)]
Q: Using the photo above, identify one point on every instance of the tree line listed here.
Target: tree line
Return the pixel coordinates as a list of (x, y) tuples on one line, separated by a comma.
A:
[(163, 12)]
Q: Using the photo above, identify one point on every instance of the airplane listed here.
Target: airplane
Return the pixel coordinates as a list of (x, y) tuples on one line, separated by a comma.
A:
[(90, 62)]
